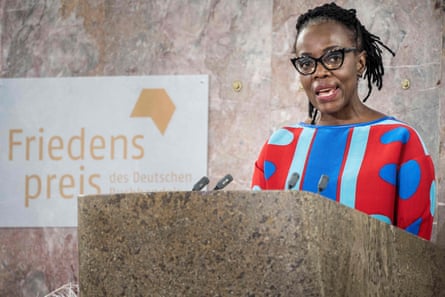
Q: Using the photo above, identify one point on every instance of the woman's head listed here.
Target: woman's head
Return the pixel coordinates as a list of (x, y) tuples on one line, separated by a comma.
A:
[(359, 38)]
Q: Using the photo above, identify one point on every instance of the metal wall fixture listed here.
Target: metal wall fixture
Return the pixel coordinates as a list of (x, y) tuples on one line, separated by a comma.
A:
[(237, 86), (405, 84)]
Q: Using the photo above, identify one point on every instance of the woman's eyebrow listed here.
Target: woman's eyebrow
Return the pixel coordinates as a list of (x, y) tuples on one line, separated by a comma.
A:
[(325, 50)]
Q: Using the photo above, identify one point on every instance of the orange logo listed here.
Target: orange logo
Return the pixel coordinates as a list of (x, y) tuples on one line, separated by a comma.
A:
[(155, 104)]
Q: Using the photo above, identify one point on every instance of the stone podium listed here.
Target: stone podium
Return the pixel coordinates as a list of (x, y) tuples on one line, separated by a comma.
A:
[(245, 243)]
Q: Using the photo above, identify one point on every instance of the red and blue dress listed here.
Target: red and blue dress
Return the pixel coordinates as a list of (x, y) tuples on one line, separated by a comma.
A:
[(381, 168)]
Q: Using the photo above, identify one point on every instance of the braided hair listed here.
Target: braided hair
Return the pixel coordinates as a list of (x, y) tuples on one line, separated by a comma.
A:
[(366, 41)]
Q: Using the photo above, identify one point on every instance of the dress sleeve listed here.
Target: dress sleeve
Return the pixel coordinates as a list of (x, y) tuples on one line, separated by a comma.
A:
[(417, 189), (258, 180)]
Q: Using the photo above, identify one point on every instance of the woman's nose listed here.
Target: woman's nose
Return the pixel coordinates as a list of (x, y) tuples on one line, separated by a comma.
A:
[(320, 71)]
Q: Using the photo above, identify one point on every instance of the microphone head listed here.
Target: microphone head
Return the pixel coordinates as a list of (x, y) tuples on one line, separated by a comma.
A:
[(293, 180), (323, 183), (223, 182), (201, 183), (228, 178)]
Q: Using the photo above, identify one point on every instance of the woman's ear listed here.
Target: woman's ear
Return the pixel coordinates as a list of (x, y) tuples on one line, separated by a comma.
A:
[(361, 63)]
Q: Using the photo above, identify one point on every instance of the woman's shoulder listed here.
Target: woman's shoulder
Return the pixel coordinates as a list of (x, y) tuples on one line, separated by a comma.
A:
[(393, 123)]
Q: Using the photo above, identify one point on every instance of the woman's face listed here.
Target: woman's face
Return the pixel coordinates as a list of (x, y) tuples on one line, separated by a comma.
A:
[(332, 92)]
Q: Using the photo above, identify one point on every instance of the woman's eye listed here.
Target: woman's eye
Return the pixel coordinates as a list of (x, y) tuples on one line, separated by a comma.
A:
[(333, 58), (305, 63)]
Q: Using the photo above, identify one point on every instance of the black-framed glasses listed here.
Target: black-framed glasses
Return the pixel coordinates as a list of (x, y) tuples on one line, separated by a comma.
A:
[(331, 60)]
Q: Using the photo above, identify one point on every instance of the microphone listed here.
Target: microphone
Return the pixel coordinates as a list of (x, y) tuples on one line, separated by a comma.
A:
[(293, 180), (323, 183), (201, 183), (223, 182)]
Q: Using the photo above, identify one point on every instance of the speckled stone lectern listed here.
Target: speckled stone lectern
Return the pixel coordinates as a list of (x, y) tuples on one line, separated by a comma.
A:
[(243, 243)]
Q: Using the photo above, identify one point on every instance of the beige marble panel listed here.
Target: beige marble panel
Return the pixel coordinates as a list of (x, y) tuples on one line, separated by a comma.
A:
[(244, 243), (35, 261), (440, 230)]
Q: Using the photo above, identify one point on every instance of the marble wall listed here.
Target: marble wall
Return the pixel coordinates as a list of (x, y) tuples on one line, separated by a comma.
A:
[(247, 41)]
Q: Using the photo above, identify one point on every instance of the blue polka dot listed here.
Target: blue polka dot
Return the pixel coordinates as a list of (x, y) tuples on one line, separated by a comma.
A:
[(382, 218), (409, 179), (269, 169), (414, 227), (281, 137), (433, 198), (397, 134), (389, 173), (256, 188)]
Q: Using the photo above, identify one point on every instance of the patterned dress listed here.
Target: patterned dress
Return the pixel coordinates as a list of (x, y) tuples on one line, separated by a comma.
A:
[(381, 168)]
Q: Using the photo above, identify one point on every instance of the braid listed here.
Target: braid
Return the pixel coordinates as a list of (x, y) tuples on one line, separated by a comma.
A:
[(374, 64), (366, 41)]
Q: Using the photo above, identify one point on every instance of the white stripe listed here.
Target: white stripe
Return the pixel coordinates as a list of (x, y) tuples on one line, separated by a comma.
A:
[(353, 163), (302, 149)]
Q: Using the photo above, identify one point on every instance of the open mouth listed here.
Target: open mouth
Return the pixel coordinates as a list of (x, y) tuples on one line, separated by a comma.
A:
[(326, 93)]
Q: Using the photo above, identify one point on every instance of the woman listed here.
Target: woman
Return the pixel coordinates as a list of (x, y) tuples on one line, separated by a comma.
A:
[(347, 151)]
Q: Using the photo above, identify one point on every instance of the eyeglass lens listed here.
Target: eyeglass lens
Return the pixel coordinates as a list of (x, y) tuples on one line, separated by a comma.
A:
[(330, 60)]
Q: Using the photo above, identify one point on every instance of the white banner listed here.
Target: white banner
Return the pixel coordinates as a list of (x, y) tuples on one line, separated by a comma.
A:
[(64, 137)]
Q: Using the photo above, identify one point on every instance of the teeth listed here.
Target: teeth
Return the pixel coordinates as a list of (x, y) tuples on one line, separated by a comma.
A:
[(325, 91)]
